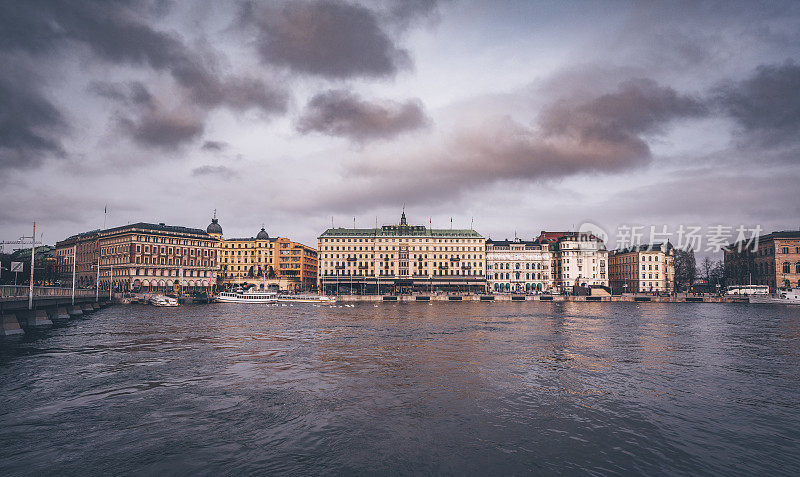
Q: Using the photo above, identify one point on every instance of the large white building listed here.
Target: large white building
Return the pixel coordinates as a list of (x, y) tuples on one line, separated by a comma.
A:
[(518, 266), (580, 259), (401, 259)]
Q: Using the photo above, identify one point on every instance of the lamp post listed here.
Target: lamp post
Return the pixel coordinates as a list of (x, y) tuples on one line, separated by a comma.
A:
[(97, 282), (74, 262)]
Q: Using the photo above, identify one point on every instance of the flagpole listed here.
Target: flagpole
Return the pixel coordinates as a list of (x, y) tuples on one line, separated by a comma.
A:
[(33, 251)]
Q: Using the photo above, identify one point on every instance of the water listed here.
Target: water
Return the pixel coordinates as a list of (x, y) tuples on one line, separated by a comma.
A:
[(443, 388)]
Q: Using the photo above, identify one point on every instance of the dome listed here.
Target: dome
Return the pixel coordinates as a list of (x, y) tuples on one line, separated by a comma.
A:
[(214, 227), (262, 235)]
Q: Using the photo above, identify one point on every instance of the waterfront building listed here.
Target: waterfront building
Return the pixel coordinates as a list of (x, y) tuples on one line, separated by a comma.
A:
[(518, 266), (401, 258), (580, 259), (643, 268), (775, 262), (264, 261), (45, 266), (140, 257)]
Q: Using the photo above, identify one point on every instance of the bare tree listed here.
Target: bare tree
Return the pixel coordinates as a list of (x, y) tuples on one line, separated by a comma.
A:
[(685, 269)]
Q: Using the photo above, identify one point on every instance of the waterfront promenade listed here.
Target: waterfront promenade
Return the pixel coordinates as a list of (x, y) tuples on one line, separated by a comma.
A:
[(680, 298)]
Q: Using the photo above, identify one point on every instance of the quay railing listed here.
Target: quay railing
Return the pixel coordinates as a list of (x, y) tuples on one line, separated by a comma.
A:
[(18, 291)]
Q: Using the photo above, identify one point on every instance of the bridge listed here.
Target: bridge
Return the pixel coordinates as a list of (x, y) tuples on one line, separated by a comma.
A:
[(49, 304)]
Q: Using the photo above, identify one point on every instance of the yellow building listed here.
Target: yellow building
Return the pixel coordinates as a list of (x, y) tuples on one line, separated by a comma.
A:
[(643, 268), (401, 259), (264, 261)]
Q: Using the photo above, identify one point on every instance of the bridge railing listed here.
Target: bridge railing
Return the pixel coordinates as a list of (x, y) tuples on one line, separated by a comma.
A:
[(17, 291)]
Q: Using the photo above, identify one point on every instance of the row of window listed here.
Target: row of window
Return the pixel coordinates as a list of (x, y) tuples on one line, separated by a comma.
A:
[(517, 266), (518, 276), (787, 267)]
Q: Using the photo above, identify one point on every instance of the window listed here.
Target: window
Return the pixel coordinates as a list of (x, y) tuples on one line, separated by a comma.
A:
[(786, 267), (797, 267), (785, 250)]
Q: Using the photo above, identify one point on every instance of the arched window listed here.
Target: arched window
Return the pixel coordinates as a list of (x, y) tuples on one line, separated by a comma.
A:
[(797, 267), (527, 276), (517, 266), (786, 267), (527, 266)]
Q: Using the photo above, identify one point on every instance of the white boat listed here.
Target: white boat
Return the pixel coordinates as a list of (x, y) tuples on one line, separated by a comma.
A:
[(161, 300), (247, 297), (749, 290), (783, 297), (305, 299)]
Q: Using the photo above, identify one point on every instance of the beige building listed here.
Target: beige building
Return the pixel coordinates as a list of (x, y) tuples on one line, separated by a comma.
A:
[(772, 260), (401, 259), (579, 259), (141, 257), (264, 261), (643, 268), (518, 266)]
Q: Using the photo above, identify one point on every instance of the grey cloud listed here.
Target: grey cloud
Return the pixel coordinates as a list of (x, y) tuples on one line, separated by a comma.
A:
[(766, 105), (342, 113), (220, 171), (30, 124), (618, 121), (604, 133), (244, 93), (118, 32), (131, 92), (403, 12), (214, 146), (325, 38), (164, 129)]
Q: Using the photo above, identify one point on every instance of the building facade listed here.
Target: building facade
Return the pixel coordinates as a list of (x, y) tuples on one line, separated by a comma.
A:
[(518, 266), (265, 262), (772, 260), (579, 260), (401, 259), (643, 268), (140, 257)]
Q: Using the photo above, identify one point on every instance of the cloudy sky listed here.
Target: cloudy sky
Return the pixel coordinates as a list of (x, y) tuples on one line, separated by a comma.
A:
[(519, 115)]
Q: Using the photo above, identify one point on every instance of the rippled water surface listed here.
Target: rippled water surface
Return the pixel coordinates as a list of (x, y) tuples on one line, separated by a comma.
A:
[(444, 388)]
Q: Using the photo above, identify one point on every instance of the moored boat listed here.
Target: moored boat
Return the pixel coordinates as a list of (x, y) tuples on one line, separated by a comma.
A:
[(161, 300), (783, 297), (305, 299), (246, 297)]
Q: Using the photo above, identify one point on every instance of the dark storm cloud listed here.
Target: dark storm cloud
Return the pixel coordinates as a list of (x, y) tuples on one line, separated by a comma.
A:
[(214, 146), (219, 171), (30, 124), (342, 113), (766, 105), (325, 38), (117, 32)]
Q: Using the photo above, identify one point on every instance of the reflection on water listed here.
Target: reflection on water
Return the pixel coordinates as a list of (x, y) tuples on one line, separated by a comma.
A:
[(457, 388)]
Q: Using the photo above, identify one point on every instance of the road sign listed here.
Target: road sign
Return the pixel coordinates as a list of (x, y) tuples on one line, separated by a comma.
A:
[(16, 267)]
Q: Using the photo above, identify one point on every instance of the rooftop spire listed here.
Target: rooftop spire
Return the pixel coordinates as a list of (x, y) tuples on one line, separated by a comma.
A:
[(403, 216)]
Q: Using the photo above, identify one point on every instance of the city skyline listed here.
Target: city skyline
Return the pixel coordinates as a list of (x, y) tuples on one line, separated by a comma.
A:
[(522, 116)]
